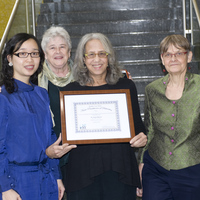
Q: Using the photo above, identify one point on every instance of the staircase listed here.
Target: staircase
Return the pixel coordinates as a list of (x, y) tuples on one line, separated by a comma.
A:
[(134, 27)]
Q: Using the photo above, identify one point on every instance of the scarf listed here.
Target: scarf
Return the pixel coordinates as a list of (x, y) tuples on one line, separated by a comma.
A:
[(48, 75)]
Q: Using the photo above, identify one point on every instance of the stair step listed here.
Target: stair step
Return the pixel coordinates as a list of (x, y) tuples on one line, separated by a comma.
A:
[(66, 6), (119, 27), (105, 15), (131, 38), (138, 70), (137, 53)]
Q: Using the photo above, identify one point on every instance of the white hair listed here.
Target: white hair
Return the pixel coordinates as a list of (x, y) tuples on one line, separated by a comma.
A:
[(55, 31)]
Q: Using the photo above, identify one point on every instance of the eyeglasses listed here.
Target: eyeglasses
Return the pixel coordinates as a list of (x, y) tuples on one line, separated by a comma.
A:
[(25, 54), (101, 54), (177, 55)]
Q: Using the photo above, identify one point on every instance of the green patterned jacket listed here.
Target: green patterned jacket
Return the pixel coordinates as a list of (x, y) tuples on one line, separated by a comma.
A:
[(173, 127)]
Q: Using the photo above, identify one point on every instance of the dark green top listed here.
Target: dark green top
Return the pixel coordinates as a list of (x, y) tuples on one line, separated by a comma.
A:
[(53, 91), (173, 127)]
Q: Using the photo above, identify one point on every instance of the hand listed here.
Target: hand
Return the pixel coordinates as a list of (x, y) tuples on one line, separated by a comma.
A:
[(139, 140), (129, 76), (57, 151), (61, 189), (140, 191), (10, 195)]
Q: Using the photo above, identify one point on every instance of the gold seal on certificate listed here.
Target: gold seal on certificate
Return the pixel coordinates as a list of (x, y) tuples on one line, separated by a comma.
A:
[(103, 116)]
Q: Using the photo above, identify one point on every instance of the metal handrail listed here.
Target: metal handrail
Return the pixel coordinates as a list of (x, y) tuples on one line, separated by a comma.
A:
[(196, 11), (5, 34), (27, 16), (33, 17), (184, 18), (3, 39), (193, 3)]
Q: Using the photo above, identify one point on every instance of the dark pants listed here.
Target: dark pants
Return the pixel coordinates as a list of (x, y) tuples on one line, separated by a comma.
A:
[(105, 187), (161, 184)]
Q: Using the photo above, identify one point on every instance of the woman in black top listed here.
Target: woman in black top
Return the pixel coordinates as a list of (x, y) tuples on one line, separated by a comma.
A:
[(56, 73), (103, 171)]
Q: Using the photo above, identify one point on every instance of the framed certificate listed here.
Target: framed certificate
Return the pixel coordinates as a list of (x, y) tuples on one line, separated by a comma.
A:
[(96, 116)]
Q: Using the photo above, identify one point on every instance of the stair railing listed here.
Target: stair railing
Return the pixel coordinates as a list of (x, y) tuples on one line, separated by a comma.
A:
[(11, 18), (193, 4), (196, 8)]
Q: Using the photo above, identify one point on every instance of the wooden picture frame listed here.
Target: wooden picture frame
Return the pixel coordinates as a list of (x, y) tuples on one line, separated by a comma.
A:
[(96, 116)]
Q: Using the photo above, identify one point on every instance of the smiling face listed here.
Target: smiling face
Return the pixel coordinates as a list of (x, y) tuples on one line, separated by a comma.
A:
[(57, 53), (96, 66), (176, 64), (24, 68)]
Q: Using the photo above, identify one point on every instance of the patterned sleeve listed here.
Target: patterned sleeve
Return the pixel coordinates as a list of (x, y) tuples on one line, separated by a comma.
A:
[(147, 122)]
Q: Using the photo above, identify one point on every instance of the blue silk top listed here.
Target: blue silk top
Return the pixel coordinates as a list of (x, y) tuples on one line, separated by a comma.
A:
[(173, 127), (25, 133)]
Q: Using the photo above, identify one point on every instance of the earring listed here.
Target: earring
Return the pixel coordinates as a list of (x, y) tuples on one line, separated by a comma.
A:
[(85, 66), (10, 64), (69, 61)]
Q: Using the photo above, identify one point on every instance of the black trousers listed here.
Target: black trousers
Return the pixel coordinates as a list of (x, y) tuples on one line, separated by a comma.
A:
[(105, 187), (161, 184)]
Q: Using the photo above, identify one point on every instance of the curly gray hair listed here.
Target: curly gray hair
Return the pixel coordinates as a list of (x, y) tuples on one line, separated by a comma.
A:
[(80, 71)]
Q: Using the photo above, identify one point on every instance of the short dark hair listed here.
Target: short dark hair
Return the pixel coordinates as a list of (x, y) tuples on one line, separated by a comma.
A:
[(10, 48)]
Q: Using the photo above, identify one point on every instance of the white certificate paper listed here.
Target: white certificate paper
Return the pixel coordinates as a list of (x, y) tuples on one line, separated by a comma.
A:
[(96, 116)]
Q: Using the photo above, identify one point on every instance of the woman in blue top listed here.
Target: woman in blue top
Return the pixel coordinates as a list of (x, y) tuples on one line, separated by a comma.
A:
[(26, 172)]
